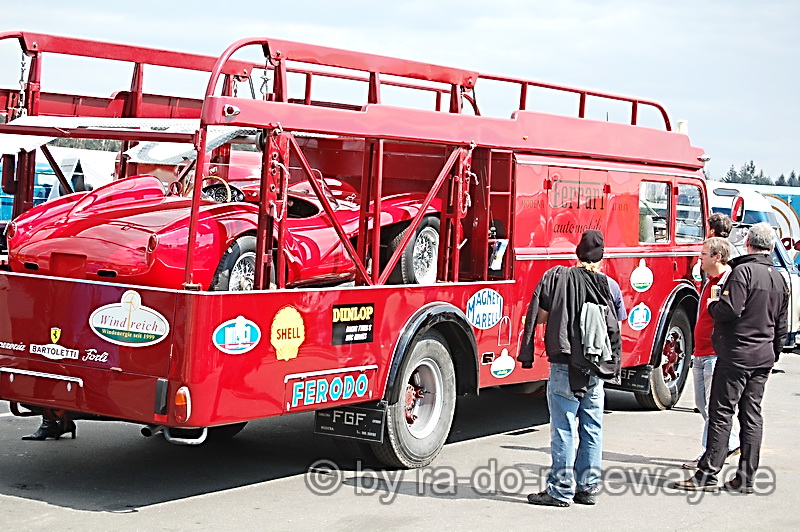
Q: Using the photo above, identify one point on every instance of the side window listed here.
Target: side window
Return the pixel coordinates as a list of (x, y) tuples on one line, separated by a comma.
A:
[(654, 212), (689, 222)]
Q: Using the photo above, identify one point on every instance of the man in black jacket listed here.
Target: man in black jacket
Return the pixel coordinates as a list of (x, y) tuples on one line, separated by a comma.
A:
[(750, 323)]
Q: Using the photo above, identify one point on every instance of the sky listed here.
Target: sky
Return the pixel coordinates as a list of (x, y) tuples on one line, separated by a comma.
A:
[(728, 67)]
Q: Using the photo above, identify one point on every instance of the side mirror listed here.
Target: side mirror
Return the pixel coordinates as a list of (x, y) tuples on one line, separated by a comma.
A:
[(9, 182), (737, 210)]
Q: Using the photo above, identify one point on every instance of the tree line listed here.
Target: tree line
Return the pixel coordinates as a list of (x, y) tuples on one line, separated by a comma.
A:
[(748, 174)]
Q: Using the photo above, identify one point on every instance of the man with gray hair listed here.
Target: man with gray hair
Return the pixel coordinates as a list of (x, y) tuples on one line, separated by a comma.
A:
[(750, 323)]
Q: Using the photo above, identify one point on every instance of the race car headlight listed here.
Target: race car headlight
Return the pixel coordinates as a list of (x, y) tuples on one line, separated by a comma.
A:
[(11, 230)]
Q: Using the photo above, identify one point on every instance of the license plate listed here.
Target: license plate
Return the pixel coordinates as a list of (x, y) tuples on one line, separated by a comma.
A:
[(355, 422)]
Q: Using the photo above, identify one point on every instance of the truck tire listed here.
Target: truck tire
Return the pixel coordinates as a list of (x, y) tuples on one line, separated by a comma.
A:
[(669, 376), (418, 424), (419, 262)]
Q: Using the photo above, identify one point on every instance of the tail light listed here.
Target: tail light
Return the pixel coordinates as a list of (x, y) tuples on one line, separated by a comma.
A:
[(152, 243), (183, 404)]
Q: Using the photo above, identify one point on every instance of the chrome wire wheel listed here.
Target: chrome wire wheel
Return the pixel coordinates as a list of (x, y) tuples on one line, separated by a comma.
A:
[(243, 273), (426, 255)]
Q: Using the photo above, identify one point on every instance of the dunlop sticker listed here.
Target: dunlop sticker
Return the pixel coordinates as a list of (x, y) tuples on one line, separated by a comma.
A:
[(352, 324)]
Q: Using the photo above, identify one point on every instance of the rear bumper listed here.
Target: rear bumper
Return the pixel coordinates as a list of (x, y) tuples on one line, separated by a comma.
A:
[(91, 391)]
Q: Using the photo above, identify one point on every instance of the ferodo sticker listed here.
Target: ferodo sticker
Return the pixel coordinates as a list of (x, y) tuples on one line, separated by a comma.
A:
[(639, 317), (352, 324), (288, 333), (484, 309), (642, 277), (129, 322), (328, 387), (236, 336)]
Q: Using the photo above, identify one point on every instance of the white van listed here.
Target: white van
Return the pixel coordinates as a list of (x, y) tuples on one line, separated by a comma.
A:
[(758, 209)]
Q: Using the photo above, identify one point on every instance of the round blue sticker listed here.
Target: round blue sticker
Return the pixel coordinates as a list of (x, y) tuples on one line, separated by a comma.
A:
[(236, 336), (639, 317)]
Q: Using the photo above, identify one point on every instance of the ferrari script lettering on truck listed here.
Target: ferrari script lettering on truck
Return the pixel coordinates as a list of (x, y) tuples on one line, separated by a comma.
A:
[(129, 323)]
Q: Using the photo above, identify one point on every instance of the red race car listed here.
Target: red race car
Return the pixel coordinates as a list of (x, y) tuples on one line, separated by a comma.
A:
[(135, 231)]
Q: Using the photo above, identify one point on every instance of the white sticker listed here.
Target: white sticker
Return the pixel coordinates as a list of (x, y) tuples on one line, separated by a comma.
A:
[(485, 309), (639, 317), (642, 277), (503, 365), (129, 323), (696, 272)]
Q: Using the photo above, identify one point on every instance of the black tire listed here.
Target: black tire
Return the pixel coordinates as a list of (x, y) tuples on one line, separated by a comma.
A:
[(668, 379), (417, 427), (419, 261), (237, 267)]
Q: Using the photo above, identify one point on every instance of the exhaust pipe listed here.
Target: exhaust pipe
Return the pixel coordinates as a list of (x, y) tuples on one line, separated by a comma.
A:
[(151, 430)]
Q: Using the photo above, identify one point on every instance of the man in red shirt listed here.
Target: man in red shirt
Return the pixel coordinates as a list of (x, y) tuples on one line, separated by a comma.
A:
[(714, 261)]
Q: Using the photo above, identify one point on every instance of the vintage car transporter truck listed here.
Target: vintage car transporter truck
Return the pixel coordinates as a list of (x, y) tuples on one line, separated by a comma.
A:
[(367, 261)]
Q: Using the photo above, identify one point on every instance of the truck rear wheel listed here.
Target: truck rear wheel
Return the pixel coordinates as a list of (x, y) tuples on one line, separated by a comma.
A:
[(418, 424), (667, 380)]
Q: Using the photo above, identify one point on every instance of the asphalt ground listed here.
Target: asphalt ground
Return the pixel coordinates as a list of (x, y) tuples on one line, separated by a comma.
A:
[(278, 475)]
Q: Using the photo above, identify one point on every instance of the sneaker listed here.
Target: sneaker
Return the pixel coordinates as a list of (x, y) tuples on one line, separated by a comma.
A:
[(692, 464), (545, 499), (735, 484), (588, 497), (692, 484)]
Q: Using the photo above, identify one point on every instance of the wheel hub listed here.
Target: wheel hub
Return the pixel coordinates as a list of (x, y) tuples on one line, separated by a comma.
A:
[(673, 356)]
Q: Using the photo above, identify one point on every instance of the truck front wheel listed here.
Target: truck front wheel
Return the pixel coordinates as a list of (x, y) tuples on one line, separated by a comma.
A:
[(417, 425), (669, 377)]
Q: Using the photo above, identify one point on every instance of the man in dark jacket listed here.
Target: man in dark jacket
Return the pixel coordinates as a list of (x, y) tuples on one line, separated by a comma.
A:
[(583, 346), (750, 323)]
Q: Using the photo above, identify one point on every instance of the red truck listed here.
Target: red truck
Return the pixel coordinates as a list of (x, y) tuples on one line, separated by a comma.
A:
[(292, 248)]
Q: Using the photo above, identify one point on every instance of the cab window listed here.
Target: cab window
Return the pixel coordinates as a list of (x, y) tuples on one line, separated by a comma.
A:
[(653, 212)]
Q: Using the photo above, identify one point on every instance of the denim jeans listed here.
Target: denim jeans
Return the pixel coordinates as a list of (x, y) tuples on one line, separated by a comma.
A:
[(574, 465), (703, 371)]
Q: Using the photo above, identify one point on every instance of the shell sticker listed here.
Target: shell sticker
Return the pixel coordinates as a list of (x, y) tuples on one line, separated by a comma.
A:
[(503, 365), (288, 333), (639, 317), (236, 336), (484, 309), (696, 275), (129, 323), (642, 277)]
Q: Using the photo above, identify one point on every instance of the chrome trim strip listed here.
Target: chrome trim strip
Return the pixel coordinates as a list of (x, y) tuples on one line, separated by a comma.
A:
[(572, 256), (287, 378), (16, 371), (565, 164)]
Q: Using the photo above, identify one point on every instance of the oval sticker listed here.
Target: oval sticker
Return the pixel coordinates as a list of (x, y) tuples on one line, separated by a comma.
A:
[(236, 336), (484, 309), (129, 323), (642, 277)]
